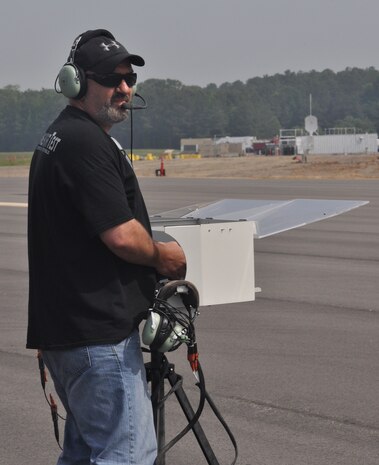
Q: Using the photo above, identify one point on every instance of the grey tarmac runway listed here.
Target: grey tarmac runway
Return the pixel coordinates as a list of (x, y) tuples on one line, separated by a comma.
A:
[(295, 373)]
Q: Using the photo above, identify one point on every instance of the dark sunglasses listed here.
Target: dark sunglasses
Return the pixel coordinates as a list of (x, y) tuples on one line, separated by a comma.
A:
[(114, 79)]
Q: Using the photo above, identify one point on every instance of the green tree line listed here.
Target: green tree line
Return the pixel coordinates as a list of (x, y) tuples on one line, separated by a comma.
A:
[(258, 107)]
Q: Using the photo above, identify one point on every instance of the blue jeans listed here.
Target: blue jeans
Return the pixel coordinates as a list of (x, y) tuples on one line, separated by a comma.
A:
[(109, 416)]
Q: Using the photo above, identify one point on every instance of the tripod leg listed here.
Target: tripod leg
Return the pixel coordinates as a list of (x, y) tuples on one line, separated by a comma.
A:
[(189, 413), (158, 370), (157, 389)]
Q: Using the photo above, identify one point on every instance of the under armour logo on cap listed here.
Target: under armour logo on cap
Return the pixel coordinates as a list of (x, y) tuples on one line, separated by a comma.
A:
[(107, 47), (98, 51)]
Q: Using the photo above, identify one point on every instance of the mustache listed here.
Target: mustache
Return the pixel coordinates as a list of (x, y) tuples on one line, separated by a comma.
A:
[(119, 96)]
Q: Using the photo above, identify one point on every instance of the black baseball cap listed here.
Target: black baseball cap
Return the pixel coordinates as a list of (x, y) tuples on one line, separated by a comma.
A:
[(98, 51)]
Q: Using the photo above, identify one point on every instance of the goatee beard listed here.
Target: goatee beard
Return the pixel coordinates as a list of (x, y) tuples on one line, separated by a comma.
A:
[(109, 114)]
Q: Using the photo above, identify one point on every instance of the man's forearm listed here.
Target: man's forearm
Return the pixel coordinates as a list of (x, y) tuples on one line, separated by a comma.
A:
[(131, 242)]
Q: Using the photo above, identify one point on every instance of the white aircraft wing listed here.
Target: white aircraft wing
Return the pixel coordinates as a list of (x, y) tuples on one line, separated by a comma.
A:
[(270, 216)]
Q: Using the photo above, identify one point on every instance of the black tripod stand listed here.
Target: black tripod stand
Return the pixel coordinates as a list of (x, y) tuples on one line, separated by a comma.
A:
[(157, 371)]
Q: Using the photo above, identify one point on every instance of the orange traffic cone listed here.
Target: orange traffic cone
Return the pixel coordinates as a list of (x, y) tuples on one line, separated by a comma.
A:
[(162, 170)]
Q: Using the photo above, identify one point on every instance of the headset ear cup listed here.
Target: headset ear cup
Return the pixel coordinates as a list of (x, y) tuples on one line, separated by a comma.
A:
[(156, 331), (160, 333), (151, 328), (72, 81), (163, 334)]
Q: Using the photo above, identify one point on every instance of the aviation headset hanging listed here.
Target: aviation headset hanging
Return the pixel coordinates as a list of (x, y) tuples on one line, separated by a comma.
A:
[(168, 325)]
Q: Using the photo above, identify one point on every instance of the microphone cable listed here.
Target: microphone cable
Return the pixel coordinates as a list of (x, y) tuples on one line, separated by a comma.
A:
[(132, 108)]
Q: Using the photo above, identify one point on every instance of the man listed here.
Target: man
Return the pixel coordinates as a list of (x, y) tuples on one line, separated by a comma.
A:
[(93, 263)]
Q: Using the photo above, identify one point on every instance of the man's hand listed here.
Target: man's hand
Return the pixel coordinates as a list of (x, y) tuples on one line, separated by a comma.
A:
[(172, 261)]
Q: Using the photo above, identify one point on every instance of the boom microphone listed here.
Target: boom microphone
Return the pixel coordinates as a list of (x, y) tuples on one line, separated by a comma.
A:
[(131, 106)]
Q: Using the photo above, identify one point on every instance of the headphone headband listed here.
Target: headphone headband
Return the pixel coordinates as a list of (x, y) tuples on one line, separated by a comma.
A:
[(187, 292), (71, 57)]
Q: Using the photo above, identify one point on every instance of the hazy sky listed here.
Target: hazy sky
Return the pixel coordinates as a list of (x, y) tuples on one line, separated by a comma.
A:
[(194, 41)]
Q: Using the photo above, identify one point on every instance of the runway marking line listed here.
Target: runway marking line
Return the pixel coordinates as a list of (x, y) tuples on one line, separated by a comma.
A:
[(13, 204)]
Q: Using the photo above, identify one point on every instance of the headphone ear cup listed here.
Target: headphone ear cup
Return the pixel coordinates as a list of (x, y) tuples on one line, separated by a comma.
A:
[(162, 336), (157, 329), (72, 81), (160, 333), (151, 328)]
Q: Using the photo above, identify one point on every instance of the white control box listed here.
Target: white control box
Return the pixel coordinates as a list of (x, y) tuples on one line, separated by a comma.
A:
[(220, 259)]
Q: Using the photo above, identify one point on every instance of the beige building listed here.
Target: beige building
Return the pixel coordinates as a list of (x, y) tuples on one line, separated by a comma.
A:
[(226, 146)]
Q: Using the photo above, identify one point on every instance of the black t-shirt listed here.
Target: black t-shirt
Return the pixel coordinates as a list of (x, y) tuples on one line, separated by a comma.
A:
[(80, 185)]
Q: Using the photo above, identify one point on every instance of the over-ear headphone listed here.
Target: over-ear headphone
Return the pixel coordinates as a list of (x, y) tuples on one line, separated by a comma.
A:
[(71, 78), (167, 325)]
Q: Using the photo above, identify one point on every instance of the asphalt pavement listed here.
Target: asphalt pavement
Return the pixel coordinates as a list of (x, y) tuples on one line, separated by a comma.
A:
[(295, 374)]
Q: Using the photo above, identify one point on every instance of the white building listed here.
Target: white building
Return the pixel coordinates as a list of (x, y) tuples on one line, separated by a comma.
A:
[(245, 141), (217, 147), (337, 143)]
